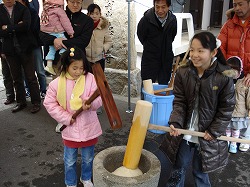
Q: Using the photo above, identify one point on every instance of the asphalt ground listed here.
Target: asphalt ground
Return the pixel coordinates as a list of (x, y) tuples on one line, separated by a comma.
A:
[(32, 153)]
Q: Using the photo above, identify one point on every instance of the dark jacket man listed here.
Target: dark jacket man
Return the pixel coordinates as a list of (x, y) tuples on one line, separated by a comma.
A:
[(83, 27), (157, 57), (18, 25), (18, 45)]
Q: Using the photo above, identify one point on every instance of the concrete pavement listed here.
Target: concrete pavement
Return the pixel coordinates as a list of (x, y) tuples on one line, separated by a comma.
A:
[(32, 153)]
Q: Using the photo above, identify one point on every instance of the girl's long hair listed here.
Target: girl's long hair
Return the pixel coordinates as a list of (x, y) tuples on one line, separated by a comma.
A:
[(208, 41)]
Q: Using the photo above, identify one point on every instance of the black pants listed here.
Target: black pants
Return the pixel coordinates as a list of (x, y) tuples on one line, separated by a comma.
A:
[(25, 61), (7, 80)]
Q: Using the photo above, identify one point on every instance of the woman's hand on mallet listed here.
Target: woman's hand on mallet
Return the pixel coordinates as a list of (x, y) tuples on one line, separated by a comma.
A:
[(207, 136), (174, 131)]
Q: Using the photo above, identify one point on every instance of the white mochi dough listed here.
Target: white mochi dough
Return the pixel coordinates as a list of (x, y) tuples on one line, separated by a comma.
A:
[(125, 172)]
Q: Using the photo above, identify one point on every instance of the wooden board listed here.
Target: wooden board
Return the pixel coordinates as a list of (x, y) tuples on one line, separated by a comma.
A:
[(107, 98)]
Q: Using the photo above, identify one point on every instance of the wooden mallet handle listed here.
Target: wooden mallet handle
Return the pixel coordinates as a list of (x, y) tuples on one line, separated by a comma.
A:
[(170, 85), (196, 133)]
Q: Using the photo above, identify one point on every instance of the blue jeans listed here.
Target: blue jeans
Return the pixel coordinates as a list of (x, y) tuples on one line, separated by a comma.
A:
[(70, 160), (38, 59), (52, 51), (40, 72), (187, 153)]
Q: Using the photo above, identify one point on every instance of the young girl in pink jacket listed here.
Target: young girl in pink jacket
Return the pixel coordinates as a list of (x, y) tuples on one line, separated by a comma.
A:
[(66, 94), (54, 21)]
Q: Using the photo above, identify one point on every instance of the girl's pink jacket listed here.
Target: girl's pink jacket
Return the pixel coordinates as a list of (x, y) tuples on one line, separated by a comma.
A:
[(87, 125)]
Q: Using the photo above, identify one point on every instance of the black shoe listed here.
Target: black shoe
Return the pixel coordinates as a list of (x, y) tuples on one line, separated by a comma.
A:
[(35, 108), (8, 101), (18, 107)]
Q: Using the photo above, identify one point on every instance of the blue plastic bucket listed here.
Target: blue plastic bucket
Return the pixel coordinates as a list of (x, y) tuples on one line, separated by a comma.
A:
[(162, 107)]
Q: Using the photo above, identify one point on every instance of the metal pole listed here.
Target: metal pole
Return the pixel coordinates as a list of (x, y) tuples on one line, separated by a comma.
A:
[(129, 58)]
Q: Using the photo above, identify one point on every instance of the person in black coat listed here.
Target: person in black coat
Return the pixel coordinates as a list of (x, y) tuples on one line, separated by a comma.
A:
[(83, 27), (37, 52), (156, 31), (18, 44)]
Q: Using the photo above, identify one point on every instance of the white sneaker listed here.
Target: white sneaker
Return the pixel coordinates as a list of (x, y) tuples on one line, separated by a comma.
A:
[(70, 186), (50, 70), (244, 147), (87, 183)]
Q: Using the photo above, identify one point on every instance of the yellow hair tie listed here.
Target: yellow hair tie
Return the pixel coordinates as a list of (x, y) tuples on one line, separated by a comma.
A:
[(72, 50)]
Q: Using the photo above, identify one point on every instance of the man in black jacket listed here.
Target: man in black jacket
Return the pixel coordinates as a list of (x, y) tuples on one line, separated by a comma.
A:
[(82, 24), (18, 44), (156, 31)]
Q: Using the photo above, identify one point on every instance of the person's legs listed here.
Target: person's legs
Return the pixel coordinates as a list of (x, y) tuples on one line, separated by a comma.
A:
[(7, 81), (16, 72), (246, 135), (165, 72), (87, 154), (51, 54), (228, 133), (70, 159), (45, 52), (201, 179), (38, 60), (29, 71), (50, 57), (233, 145), (27, 90), (184, 156)]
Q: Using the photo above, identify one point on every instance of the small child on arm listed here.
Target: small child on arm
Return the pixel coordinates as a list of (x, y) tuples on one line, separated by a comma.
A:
[(55, 22)]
